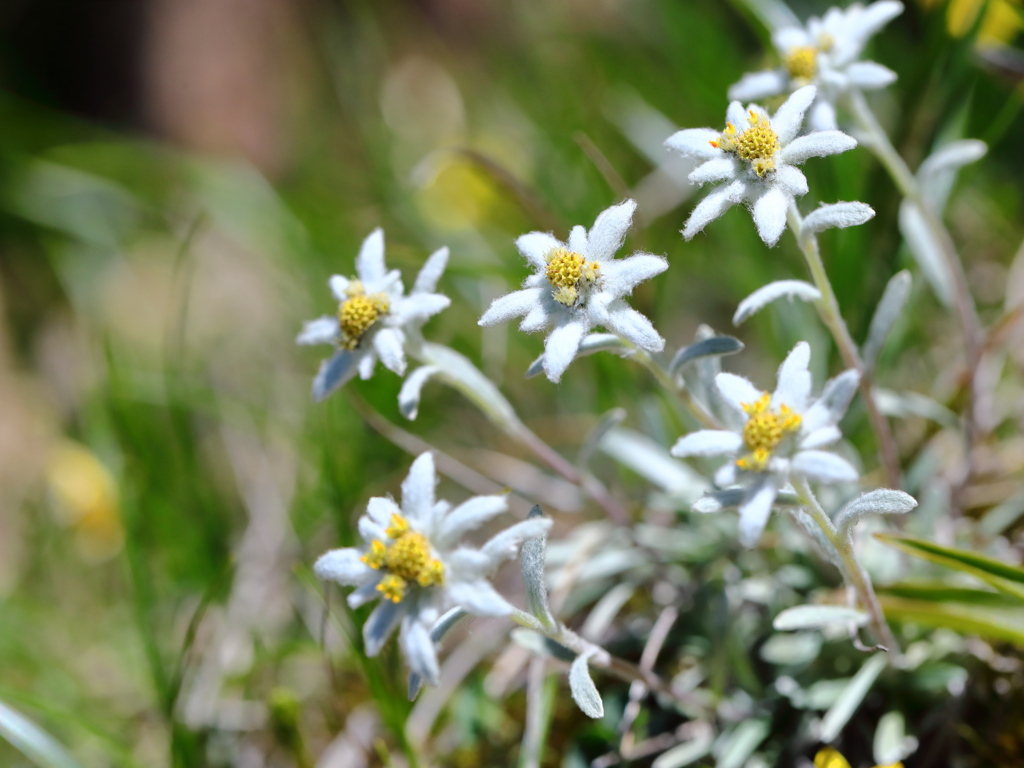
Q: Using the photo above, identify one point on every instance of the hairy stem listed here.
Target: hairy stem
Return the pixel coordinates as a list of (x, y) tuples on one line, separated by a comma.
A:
[(852, 571), (828, 310), (696, 409)]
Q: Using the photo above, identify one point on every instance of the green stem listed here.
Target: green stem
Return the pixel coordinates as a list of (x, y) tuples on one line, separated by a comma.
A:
[(828, 311), (877, 140), (851, 569), (698, 411)]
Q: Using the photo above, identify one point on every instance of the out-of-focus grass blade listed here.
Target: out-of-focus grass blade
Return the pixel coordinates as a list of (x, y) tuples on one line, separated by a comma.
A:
[(987, 622), (1005, 578), (32, 741), (839, 714), (940, 592)]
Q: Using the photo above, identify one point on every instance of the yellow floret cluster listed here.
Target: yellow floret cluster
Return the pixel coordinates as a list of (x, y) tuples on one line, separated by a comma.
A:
[(567, 271), (358, 312), (764, 431), (406, 559)]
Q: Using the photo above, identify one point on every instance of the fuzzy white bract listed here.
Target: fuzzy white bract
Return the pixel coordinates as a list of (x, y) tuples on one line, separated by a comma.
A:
[(413, 562), (780, 437), (825, 53), (374, 318), (579, 285), (754, 162)]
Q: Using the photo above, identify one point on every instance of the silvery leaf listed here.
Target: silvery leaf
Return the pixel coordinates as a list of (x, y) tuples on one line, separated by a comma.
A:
[(32, 741), (762, 297), (608, 422), (818, 616), (897, 291), (687, 753), (731, 498), (716, 346), (937, 174), (584, 692), (891, 743), (437, 633), (837, 216), (927, 251), (850, 699), (536, 643), (871, 504), (532, 556), (594, 342), (903, 404), (735, 747), (460, 373), (334, 372), (409, 394)]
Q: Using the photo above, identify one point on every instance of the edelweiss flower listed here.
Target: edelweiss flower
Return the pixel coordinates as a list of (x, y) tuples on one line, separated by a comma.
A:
[(413, 563), (374, 318), (824, 53), (755, 160), (579, 285), (781, 437)]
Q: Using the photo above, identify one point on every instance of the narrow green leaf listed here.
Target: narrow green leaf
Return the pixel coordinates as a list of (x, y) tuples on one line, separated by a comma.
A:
[(1005, 578), (989, 623)]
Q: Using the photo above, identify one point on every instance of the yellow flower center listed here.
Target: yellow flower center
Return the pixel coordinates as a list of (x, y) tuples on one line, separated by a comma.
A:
[(764, 430), (358, 312), (406, 559), (801, 63), (758, 144), (567, 272)]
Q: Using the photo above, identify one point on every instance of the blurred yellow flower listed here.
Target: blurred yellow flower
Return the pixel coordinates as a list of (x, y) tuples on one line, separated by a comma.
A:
[(1002, 21), (830, 758), (85, 496)]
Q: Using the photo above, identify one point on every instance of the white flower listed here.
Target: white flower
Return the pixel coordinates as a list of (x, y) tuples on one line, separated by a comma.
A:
[(578, 286), (824, 53), (754, 160), (374, 317), (781, 436), (414, 564)]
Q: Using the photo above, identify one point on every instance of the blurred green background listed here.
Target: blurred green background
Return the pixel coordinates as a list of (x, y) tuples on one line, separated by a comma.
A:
[(178, 178)]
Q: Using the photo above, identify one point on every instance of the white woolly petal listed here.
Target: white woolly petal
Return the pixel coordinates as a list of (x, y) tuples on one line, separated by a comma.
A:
[(726, 475), (754, 512), (479, 598), (511, 305), (787, 38), (824, 467), (468, 516), (821, 438), (370, 261), (609, 231), (366, 592), (536, 246), (817, 144), (323, 330), (505, 545), (409, 395), (713, 206), (367, 362), (466, 564), (387, 342), (620, 276), (736, 114), (431, 271), (876, 16), (634, 327), (418, 489), (419, 649), (342, 566), (791, 180), (835, 399), (838, 215), (765, 295), (537, 319), (822, 115), (794, 380), (707, 442), (379, 626), (869, 76), (334, 372), (380, 509), (578, 240), (757, 85), (769, 213), (560, 347), (371, 530), (417, 307), (695, 142), (339, 286), (788, 119), (736, 390), (717, 169)]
